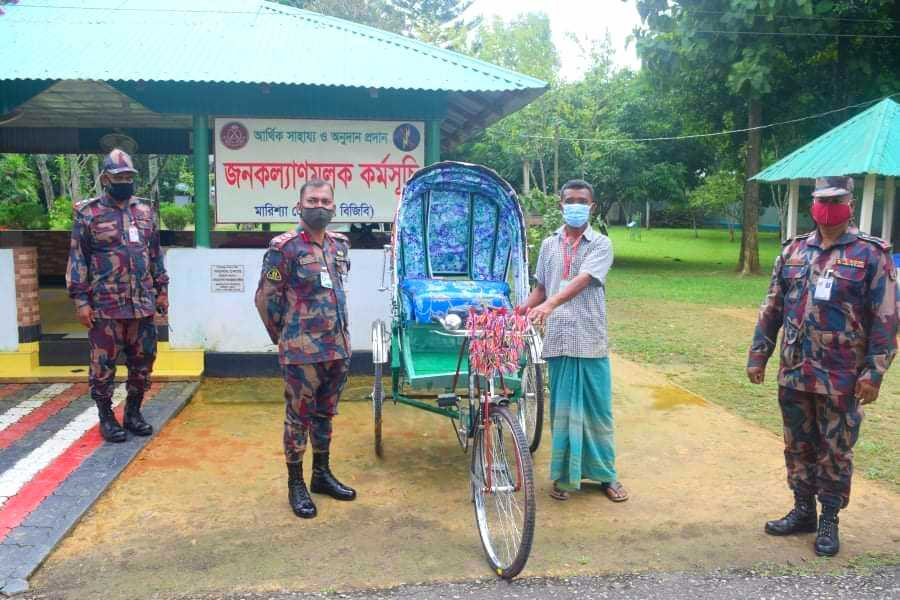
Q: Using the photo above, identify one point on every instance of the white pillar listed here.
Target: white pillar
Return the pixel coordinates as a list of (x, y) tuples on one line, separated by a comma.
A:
[(868, 204), (793, 208), (887, 220)]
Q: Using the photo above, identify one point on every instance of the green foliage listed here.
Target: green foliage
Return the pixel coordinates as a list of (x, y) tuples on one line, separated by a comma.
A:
[(720, 193), (717, 192), (60, 217), (18, 182), (175, 217), (22, 215)]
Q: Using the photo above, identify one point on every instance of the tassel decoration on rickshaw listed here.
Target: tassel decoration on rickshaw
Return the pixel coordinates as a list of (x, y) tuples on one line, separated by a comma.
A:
[(497, 341)]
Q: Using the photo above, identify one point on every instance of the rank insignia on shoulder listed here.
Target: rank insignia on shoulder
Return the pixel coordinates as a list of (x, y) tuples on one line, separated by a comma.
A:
[(273, 274), (851, 262)]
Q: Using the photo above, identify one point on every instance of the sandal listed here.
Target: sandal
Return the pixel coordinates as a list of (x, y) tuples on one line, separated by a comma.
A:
[(615, 491), (558, 494)]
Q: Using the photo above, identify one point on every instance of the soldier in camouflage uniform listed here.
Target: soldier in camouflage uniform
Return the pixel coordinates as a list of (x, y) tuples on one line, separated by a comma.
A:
[(117, 280), (833, 292), (302, 303)]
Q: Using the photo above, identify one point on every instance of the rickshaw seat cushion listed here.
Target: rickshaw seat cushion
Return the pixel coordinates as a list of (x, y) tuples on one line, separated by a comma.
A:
[(424, 299)]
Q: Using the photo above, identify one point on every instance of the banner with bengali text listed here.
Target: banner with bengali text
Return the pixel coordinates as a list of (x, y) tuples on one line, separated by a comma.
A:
[(262, 163)]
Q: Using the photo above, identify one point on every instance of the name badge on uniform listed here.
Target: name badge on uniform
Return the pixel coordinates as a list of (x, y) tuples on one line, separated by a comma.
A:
[(563, 284), (325, 278), (823, 287), (133, 234)]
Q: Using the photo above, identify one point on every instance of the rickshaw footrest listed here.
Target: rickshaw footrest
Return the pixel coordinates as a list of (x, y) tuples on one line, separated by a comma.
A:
[(447, 400)]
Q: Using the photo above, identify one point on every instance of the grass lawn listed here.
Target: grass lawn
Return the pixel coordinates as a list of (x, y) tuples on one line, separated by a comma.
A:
[(676, 303)]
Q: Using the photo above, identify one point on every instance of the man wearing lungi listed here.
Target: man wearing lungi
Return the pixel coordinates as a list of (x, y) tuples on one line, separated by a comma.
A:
[(570, 300)]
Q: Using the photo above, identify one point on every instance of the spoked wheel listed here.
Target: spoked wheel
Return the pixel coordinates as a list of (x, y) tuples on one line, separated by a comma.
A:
[(503, 491), (530, 404), (377, 403)]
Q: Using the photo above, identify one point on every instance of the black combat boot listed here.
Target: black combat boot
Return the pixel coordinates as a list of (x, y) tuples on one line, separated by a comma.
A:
[(801, 519), (323, 482), (298, 495), (109, 426), (134, 420), (827, 541)]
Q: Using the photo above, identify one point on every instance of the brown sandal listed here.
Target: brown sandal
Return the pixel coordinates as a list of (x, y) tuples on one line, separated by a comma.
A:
[(558, 494), (615, 491)]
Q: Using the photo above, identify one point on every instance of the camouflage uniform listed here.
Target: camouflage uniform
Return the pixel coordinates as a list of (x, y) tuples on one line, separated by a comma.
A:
[(826, 346), (120, 280), (308, 321)]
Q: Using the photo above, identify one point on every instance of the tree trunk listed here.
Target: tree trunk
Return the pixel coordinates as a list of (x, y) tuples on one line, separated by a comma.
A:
[(95, 169), (543, 175), (46, 183), (63, 170), (749, 259), (75, 177), (694, 224), (731, 231), (556, 159)]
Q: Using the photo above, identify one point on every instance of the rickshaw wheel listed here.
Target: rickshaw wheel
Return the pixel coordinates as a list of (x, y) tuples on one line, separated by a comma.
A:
[(502, 477), (377, 404), (530, 404)]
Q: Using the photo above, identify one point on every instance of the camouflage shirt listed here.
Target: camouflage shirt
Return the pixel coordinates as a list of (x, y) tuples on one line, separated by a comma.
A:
[(301, 297), (850, 333), (117, 275)]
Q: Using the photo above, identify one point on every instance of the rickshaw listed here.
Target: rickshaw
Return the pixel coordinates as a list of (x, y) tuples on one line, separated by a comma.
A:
[(459, 249)]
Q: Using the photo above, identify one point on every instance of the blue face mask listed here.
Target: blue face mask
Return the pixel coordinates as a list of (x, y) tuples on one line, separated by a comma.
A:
[(576, 215)]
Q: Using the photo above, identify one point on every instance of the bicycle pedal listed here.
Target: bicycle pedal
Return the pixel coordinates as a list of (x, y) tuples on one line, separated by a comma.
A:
[(447, 400)]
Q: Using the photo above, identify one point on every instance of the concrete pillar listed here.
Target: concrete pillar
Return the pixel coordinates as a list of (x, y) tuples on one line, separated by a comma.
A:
[(201, 181), (887, 220), (793, 208), (868, 204)]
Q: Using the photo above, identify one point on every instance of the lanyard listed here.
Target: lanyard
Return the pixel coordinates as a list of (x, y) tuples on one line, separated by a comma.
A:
[(569, 252)]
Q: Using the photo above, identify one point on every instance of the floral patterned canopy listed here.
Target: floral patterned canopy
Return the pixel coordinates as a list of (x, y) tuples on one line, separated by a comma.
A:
[(462, 221)]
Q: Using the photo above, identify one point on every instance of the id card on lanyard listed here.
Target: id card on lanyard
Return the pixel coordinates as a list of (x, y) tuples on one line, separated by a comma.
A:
[(134, 236), (569, 252)]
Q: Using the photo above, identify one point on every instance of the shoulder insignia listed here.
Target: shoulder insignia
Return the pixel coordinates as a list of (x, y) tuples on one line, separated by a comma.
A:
[(273, 274), (802, 236), (85, 203), (884, 245), (278, 242)]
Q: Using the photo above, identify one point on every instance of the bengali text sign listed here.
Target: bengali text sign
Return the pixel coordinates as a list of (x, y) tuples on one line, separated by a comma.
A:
[(261, 164)]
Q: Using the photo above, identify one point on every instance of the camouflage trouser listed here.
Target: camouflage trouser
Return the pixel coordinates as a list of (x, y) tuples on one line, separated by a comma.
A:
[(819, 434), (311, 394), (108, 337)]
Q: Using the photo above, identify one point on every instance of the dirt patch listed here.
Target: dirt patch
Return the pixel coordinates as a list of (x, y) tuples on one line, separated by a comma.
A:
[(745, 315), (204, 508)]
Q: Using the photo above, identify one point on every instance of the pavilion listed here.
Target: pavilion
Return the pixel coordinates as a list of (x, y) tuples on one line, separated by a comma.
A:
[(867, 145)]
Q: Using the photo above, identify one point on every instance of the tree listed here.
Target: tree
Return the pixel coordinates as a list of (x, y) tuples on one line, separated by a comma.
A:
[(18, 184), (720, 193), (752, 58)]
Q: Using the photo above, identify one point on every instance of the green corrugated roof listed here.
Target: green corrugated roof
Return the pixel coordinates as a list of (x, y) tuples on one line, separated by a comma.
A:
[(185, 43), (867, 143), (235, 41)]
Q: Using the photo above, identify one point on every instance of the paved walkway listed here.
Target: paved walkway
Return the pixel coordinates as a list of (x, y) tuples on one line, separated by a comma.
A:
[(54, 464), (203, 509)]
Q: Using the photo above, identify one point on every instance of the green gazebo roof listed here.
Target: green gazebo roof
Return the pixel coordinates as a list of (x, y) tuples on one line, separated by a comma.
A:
[(134, 45), (867, 143)]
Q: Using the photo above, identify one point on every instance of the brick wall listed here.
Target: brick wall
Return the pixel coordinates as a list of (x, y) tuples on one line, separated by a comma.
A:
[(28, 302)]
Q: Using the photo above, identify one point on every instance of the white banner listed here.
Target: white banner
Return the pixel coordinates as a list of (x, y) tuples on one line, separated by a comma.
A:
[(262, 163)]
